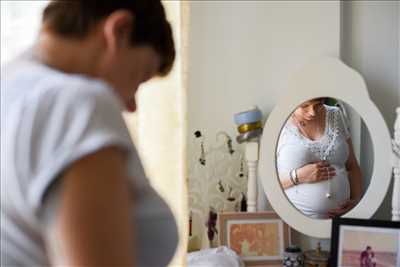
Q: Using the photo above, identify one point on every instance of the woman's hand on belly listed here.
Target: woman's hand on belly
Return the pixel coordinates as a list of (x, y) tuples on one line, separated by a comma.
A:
[(315, 172), (343, 208)]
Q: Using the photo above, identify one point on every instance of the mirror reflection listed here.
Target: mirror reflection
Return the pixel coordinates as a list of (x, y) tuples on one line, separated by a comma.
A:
[(316, 161)]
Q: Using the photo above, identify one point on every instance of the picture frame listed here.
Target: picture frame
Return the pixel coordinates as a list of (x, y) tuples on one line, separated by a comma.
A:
[(259, 238), (361, 242)]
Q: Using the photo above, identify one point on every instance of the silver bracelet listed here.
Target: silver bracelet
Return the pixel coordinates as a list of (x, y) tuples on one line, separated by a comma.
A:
[(293, 177), (296, 178)]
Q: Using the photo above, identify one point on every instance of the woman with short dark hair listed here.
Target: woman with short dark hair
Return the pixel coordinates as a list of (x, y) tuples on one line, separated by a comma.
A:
[(73, 190)]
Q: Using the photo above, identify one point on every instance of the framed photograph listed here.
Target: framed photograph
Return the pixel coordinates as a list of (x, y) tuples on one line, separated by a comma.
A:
[(365, 243), (259, 238)]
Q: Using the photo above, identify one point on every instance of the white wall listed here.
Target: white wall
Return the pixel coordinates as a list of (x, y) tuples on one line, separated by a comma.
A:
[(242, 53)]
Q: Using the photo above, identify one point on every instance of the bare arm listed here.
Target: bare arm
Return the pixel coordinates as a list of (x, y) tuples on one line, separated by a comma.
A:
[(92, 225), (355, 175), (309, 173), (286, 183)]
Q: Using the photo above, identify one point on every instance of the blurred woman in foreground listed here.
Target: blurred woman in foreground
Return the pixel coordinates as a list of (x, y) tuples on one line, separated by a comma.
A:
[(73, 190)]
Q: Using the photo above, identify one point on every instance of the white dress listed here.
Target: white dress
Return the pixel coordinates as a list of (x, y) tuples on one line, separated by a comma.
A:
[(295, 150)]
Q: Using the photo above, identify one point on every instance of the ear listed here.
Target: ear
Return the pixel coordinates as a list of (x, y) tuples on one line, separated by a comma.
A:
[(117, 30)]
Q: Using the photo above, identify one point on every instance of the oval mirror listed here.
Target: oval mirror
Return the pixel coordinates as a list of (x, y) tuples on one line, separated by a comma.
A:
[(327, 78)]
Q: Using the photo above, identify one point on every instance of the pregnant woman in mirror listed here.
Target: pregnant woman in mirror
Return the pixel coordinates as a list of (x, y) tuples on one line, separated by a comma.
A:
[(316, 162)]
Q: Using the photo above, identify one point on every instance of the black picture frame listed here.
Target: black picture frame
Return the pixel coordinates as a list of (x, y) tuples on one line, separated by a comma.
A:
[(339, 222)]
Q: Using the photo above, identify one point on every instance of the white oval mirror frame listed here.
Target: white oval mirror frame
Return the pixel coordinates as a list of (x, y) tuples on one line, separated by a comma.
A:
[(328, 77)]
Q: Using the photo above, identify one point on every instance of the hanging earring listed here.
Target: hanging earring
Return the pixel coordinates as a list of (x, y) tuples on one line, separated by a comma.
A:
[(229, 141), (230, 197), (202, 158), (241, 170), (221, 186), (231, 151)]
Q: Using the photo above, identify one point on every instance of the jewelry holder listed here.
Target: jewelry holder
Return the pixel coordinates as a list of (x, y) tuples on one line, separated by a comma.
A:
[(219, 183)]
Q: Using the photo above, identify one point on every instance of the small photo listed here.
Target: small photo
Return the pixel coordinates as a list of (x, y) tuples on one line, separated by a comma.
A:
[(258, 238), (362, 246), (252, 240)]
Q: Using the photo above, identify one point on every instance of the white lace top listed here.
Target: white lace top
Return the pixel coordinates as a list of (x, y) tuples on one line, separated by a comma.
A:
[(295, 150)]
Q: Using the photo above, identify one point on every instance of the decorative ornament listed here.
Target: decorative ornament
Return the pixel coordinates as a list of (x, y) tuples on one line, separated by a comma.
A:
[(241, 170), (221, 186), (212, 224), (230, 197), (202, 158), (231, 151)]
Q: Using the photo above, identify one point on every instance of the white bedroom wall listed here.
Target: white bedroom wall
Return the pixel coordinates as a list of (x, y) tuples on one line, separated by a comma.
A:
[(242, 53)]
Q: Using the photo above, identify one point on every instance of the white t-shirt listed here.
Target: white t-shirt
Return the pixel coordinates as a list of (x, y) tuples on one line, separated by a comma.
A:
[(294, 151), (49, 119)]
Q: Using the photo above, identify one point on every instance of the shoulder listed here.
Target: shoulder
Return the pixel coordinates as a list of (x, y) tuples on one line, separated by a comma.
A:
[(288, 134), (332, 109), (333, 113), (72, 108), (28, 84), (285, 131), (83, 102), (76, 89), (59, 94)]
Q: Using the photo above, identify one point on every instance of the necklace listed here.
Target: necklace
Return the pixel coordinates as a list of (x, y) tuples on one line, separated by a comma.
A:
[(328, 194), (301, 126)]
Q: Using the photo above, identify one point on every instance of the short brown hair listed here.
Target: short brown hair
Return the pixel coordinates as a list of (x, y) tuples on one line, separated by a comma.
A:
[(75, 19)]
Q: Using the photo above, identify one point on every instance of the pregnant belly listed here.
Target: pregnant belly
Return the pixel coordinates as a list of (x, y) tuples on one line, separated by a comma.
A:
[(312, 200)]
